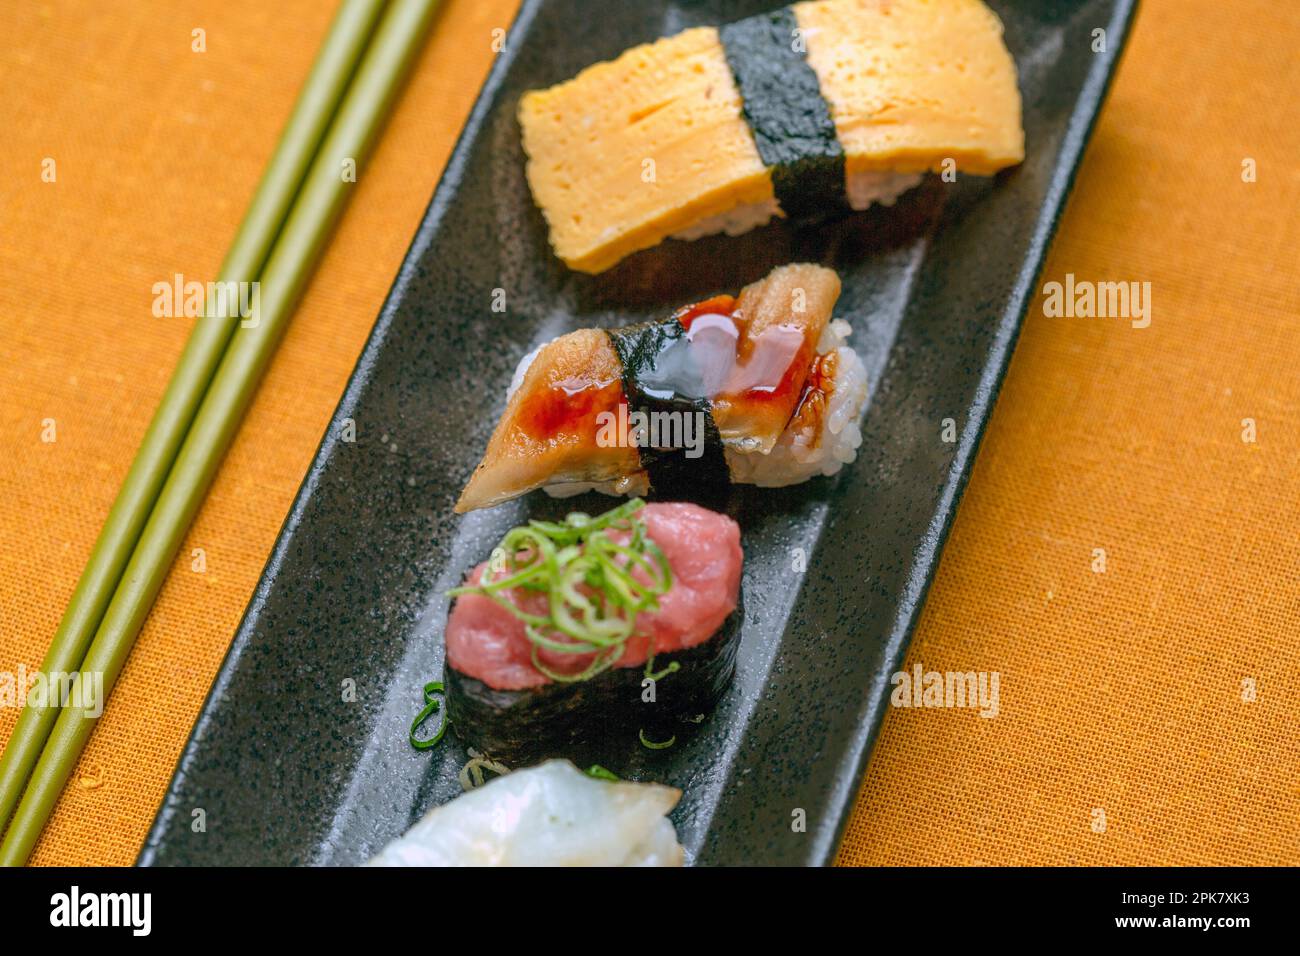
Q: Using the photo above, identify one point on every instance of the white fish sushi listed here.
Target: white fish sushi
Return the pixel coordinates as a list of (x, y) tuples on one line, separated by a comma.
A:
[(549, 815)]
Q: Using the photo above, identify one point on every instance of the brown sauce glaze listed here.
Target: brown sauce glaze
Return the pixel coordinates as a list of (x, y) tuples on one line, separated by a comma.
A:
[(739, 369), (816, 397), (569, 409)]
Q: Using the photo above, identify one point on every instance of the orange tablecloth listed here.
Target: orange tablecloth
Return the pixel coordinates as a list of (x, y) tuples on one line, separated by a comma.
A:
[(1121, 691)]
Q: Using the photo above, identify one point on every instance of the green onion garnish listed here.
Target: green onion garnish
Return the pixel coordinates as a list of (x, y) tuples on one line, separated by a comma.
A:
[(600, 773), (431, 706), (587, 568), (672, 668), (652, 745)]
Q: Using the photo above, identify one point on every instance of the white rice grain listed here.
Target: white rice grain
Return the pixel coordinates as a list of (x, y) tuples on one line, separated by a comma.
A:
[(797, 455)]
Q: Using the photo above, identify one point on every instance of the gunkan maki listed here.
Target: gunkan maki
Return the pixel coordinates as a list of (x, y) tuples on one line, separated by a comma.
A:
[(593, 637)]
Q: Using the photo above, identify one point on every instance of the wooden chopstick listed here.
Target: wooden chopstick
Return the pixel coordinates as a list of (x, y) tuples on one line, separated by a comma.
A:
[(314, 211)]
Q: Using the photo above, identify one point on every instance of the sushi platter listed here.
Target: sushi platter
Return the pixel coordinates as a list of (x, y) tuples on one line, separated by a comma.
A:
[(630, 507)]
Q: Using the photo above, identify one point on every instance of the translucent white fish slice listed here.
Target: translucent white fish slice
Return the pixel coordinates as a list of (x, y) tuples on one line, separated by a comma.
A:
[(549, 815)]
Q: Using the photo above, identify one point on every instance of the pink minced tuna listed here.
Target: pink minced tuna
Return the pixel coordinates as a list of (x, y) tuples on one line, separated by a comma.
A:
[(487, 642)]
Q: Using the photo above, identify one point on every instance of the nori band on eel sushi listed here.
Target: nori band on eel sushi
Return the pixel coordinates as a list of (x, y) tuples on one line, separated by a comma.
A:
[(790, 119), (659, 376), (600, 720)]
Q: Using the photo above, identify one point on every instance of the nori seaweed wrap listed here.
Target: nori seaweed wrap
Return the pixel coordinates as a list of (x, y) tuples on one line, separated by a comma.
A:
[(601, 720), (596, 639)]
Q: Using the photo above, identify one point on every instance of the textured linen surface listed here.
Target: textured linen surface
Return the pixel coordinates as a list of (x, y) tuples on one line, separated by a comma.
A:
[(1124, 731)]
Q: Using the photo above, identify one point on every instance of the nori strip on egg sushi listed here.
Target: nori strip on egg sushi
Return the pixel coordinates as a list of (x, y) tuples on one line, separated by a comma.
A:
[(787, 114)]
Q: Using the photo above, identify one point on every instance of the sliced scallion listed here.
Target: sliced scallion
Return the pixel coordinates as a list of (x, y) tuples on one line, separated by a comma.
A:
[(431, 706), (597, 574)]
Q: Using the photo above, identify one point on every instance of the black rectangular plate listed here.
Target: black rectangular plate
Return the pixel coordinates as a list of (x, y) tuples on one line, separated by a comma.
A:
[(290, 767)]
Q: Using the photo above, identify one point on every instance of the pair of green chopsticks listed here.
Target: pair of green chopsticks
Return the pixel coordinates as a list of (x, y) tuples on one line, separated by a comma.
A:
[(354, 80)]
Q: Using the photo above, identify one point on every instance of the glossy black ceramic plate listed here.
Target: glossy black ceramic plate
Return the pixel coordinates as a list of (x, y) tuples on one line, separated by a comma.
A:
[(290, 769)]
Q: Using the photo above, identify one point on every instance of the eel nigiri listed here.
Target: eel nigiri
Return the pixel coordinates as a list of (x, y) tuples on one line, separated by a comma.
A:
[(549, 815), (791, 113), (757, 389), (586, 637)]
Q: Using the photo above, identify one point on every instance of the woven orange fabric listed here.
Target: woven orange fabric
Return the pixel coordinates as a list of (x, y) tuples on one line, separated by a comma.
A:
[(1121, 691), (1123, 736), (157, 151)]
